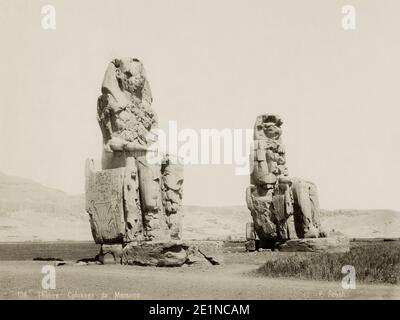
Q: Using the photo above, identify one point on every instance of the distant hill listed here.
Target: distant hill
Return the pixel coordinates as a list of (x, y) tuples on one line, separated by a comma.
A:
[(221, 222), (18, 194), (215, 222), (30, 211)]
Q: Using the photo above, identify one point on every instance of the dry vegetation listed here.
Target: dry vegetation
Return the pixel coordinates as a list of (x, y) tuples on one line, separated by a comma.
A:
[(374, 262)]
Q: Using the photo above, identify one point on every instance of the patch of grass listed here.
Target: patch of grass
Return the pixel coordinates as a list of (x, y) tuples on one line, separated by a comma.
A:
[(373, 263)]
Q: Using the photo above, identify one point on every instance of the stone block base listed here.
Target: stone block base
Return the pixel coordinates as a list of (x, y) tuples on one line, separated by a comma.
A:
[(250, 245), (170, 253), (110, 254), (159, 254), (331, 245), (209, 252)]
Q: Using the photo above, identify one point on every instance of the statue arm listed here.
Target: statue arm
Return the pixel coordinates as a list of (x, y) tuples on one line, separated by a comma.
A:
[(118, 144), (103, 118), (106, 107)]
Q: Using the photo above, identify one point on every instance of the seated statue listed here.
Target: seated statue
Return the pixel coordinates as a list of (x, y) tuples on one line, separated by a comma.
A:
[(131, 199), (282, 207)]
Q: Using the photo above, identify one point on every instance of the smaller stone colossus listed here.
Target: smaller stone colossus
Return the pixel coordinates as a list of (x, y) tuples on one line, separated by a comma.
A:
[(282, 207)]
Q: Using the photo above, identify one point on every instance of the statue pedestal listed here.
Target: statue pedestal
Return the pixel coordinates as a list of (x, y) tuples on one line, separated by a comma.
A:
[(136, 227), (110, 254), (104, 203), (155, 253)]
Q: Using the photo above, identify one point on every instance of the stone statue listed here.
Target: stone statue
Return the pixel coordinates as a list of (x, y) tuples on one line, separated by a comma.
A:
[(131, 200), (124, 112), (282, 208)]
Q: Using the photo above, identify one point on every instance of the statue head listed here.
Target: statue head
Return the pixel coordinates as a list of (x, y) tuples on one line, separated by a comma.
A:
[(268, 126), (130, 75), (125, 78)]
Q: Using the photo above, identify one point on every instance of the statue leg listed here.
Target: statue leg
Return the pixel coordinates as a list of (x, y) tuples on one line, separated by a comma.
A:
[(283, 211), (260, 208), (306, 209), (132, 212), (172, 180), (154, 218)]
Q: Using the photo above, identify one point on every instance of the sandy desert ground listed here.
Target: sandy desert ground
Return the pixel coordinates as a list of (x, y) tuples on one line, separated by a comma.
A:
[(22, 280), (236, 278)]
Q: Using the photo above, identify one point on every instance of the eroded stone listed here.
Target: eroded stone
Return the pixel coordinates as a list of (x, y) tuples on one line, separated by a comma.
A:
[(111, 254), (152, 253), (282, 207), (129, 198)]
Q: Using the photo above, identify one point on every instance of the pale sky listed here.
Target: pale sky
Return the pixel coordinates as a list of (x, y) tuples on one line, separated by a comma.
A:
[(211, 64)]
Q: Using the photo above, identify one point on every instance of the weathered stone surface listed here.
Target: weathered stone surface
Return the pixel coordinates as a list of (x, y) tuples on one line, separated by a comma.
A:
[(127, 122), (131, 199), (132, 209), (154, 217), (333, 244), (306, 207), (104, 203), (111, 254), (259, 199), (282, 208), (212, 257), (172, 180), (152, 253), (124, 111), (195, 257), (210, 250)]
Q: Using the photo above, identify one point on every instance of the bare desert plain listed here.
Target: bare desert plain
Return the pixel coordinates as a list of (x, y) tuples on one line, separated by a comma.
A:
[(239, 277), (22, 280)]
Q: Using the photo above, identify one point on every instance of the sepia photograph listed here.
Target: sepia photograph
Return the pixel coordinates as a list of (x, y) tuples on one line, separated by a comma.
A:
[(189, 150)]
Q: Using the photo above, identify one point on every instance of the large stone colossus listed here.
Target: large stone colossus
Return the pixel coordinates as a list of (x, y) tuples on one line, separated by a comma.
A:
[(133, 202), (282, 208)]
